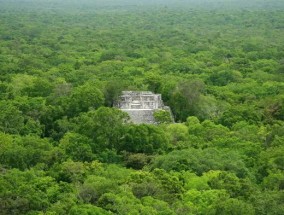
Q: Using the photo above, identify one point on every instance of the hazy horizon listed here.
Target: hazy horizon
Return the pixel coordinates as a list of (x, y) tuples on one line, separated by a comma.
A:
[(133, 4)]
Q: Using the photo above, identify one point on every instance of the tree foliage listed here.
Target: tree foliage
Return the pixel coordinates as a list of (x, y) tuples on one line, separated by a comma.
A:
[(65, 148)]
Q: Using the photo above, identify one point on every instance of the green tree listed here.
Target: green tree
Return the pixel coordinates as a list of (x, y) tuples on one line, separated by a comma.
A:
[(163, 117), (185, 98), (83, 98), (88, 209), (234, 206), (104, 126), (154, 82), (24, 152), (77, 147), (144, 139), (11, 118), (112, 91)]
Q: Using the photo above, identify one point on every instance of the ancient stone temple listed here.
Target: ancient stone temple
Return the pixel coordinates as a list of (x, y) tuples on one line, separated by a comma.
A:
[(141, 105)]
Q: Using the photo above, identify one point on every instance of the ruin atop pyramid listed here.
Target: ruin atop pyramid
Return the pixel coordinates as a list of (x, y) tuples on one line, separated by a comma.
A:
[(141, 105)]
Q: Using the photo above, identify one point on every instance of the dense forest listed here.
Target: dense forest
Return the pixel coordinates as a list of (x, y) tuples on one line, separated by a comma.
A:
[(64, 148)]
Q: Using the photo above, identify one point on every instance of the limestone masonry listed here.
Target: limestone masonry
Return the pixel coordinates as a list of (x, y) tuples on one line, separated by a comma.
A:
[(141, 105)]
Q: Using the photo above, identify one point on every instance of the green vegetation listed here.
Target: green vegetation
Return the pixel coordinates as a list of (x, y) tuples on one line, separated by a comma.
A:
[(219, 65)]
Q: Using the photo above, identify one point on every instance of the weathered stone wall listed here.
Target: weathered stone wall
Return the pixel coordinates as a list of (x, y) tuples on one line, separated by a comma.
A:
[(141, 116), (140, 100), (141, 105)]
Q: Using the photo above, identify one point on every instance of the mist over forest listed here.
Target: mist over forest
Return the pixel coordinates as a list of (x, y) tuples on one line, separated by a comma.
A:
[(66, 5)]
